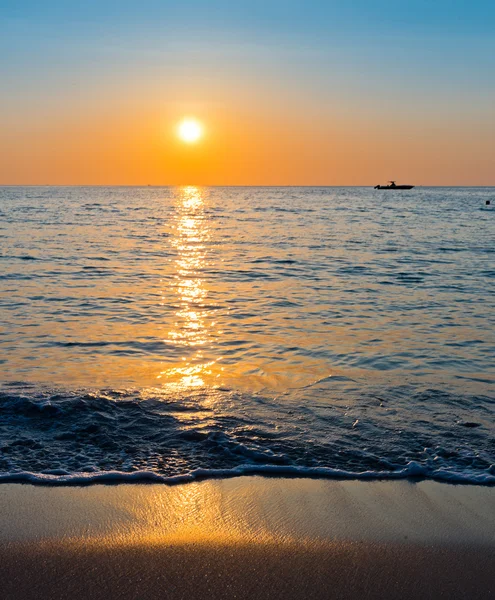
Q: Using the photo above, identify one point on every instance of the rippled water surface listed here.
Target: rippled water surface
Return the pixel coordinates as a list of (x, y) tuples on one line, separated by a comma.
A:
[(169, 332)]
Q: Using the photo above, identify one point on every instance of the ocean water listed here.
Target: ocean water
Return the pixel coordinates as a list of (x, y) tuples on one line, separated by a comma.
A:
[(175, 333)]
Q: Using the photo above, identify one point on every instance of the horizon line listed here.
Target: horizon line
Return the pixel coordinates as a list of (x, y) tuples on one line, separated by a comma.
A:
[(175, 185)]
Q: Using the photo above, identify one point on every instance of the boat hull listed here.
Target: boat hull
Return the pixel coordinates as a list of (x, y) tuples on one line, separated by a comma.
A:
[(394, 187)]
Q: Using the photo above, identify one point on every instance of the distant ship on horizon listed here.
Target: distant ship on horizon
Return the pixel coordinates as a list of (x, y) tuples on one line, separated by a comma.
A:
[(392, 186)]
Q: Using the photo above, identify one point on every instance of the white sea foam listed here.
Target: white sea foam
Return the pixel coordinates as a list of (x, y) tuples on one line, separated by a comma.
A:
[(411, 471)]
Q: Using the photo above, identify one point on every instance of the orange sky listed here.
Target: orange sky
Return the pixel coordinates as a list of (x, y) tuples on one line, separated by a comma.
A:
[(244, 147)]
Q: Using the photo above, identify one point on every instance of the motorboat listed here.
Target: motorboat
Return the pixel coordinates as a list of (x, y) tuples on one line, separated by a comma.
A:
[(393, 186)]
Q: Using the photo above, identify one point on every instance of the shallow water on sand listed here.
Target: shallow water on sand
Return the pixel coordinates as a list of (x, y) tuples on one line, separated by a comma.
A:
[(180, 332)]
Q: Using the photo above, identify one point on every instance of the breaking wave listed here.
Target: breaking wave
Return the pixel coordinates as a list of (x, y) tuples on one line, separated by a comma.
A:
[(82, 437)]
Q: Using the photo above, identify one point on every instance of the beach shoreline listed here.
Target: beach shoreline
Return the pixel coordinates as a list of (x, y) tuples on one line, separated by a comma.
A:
[(248, 537)]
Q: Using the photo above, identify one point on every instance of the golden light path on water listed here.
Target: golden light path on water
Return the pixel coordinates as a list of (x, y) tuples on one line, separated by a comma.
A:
[(193, 325), (283, 288)]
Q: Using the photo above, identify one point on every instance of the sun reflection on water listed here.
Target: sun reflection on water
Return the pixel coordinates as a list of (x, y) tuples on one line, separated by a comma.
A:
[(192, 327)]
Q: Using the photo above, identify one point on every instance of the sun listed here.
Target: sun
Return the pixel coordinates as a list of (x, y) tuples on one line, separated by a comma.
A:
[(190, 130)]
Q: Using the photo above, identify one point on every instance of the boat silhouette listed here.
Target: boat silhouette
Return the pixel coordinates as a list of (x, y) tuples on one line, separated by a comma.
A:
[(392, 186)]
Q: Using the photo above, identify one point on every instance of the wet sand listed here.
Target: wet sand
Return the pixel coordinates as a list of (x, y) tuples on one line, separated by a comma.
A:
[(249, 537)]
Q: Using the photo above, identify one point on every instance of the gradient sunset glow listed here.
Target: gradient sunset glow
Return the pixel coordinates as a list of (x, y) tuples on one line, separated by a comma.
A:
[(291, 93)]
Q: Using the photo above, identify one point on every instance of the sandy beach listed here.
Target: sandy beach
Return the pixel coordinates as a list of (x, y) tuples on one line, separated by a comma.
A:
[(249, 537)]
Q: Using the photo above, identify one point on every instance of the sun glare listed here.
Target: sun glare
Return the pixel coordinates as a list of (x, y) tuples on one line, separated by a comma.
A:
[(190, 131)]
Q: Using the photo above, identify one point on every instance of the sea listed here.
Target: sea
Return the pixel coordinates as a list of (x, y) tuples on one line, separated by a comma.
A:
[(176, 333)]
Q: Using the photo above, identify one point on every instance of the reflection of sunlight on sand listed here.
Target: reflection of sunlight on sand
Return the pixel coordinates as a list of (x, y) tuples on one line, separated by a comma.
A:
[(263, 510), (225, 512), (192, 329)]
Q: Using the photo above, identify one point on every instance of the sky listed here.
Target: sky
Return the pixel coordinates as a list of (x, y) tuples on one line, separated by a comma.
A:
[(288, 93)]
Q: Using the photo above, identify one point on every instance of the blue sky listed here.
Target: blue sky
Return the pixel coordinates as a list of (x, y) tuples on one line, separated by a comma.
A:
[(431, 44)]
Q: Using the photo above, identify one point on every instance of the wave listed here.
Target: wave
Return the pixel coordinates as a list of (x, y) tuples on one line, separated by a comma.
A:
[(413, 470), (81, 437)]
